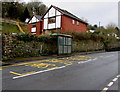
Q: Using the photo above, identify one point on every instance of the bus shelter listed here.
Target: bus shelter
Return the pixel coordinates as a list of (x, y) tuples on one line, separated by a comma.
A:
[(64, 44)]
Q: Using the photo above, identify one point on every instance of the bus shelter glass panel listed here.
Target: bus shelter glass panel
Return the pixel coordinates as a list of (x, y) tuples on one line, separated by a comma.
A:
[(64, 45)]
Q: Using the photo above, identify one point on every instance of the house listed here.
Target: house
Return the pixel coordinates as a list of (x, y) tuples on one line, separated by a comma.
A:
[(56, 19), (35, 25)]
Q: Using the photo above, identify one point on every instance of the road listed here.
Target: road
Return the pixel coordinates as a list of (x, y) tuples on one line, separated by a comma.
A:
[(79, 72)]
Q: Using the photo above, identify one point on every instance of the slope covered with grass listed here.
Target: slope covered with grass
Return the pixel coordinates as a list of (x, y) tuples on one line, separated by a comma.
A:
[(12, 28)]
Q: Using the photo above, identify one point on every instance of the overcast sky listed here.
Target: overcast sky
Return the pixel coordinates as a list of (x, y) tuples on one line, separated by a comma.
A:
[(105, 11)]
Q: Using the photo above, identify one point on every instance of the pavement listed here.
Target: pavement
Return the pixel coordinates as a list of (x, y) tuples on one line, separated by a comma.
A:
[(92, 72), (27, 59)]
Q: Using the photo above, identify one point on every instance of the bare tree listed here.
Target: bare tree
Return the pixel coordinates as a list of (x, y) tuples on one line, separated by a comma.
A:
[(111, 26)]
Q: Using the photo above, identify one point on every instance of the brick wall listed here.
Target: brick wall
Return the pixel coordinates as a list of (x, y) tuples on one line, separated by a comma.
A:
[(38, 28), (68, 26)]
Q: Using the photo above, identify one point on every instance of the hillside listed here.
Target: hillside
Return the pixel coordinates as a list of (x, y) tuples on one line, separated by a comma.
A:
[(9, 26)]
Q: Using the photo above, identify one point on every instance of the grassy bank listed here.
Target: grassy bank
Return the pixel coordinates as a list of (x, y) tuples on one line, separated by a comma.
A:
[(12, 28)]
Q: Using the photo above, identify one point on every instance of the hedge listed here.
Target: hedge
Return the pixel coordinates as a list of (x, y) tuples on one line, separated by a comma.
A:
[(25, 45)]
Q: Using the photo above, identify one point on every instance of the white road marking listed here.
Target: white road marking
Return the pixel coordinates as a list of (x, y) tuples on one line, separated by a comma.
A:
[(87, 61), (115, 79), (118, 76), (37, 72), (110, 56), (110, 84), (105, 89)]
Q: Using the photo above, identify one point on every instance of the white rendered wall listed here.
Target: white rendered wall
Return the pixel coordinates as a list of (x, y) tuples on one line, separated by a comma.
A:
[(51, 26), (58, 13), (58, 21), (52, 12), (45, 23), (34, 19), (46, 16)]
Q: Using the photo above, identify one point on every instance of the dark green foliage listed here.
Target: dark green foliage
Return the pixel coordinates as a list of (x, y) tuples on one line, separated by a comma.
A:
[(90, 27), (95, 26), (12, 10), (26, 37), (44, 38), (21, 11), (25, 15), (87, 36), (97, 32)]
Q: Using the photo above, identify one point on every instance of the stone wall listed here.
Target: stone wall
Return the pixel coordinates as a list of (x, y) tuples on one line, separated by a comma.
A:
[(12, 48), (86, 45)]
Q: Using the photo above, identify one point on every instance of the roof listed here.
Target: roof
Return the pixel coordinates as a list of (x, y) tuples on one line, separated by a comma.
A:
[(64, 12), (64, 35), (37, 16)]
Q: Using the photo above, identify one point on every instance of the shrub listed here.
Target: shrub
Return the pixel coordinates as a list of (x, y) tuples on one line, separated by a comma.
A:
[(26, 37), (43, 38)]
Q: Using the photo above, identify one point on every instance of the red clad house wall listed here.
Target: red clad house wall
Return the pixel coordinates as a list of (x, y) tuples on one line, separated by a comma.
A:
[(29, 28), (38, 27), (68, 26)]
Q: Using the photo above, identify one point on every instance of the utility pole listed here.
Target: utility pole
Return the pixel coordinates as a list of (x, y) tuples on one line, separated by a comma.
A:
[(99, 25)]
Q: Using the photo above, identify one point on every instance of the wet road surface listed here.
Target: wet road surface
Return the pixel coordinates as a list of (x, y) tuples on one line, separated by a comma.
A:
[(80, 72)]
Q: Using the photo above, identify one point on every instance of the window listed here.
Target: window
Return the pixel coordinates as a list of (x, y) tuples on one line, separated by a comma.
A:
[(77, 23), (33, 30), (51, 20), (73, 21)]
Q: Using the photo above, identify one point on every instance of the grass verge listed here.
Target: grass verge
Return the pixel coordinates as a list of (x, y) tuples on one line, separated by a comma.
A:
[(12, 28)]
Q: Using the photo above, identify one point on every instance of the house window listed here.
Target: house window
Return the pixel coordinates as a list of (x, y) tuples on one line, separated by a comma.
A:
[(51, 20), (33, 29), (73, 21), (77, 23)]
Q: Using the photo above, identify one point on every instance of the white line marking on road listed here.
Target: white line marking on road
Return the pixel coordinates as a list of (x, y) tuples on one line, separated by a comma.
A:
[(118, 76), (110, 56), (115, 79), (37, 72), (87, 61), (105, 89), (110, 84)]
